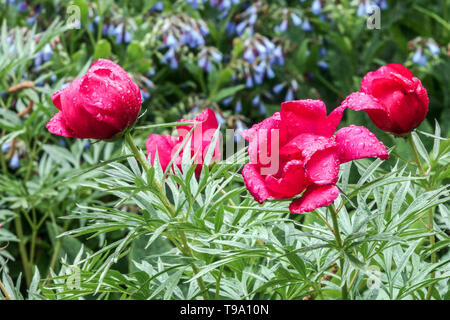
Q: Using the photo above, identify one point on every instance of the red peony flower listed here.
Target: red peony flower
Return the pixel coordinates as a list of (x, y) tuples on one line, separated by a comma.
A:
[(98, 105), (201, 137), (295, 151), (393, 98)]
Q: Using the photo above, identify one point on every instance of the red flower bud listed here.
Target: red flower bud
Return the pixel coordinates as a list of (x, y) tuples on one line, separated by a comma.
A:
[(201, 138), (98, 105), (393, 98)]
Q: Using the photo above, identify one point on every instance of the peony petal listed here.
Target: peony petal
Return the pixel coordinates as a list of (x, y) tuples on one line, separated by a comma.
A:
[(361, 101), (400, 69), (305, 116), (394, 71), (164, 145), (292, 182), (373, 107), (357, 142), (293, 148), (323, 166), (202, 135), (314, 197), (255, 183), (206, 120), (407, 109), (260, 138), (316, 145), (57, 125)]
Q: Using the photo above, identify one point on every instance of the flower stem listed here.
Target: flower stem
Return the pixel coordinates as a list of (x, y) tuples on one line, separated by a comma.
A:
[(337, 235), (430, 226), (4, 291), (162, 196), (22, 249), (416, 154)]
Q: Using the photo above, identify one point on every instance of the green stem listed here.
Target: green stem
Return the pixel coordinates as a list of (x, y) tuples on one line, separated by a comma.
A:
[(432, 238), (57, 248), (162, 196), (416, 154), (337, 235), (22, 249), (5, 292), (218, 283)]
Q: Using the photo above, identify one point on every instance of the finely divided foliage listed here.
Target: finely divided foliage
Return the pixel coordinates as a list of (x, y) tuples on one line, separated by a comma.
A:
[(243, 251), (153, 210)]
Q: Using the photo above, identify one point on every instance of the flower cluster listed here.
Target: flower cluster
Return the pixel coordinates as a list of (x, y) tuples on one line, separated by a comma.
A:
[(423, 48), (246, 20), (292, 87), (206, 56), (262, 55), (178, 31), (365, 7), (119, 32), (298, 21)]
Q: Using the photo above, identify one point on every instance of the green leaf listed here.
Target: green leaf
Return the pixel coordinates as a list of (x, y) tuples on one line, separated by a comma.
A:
[(102, 49)]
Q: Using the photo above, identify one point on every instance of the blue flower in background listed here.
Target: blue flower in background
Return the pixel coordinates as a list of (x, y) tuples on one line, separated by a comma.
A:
[(296, 20), (278, 88), (47, 52), (14, 163), (120, 34), (230, 28), (434, 48), (248, 81), (31, 20), (240, 128), (323, 65), (248, 19), (206, 56), (111, 30), (182, 30), (157, 7), (238, 107), (282, 27), (306, 26), (22, 6), (38, 60), (256, 100), (289, 95), (62, 142), (170, 41), (6, 146), (361, 11), (193, 3), (227, 101), (262, 109), (419, 58), (316, 7), (220, 119), (262, 55)]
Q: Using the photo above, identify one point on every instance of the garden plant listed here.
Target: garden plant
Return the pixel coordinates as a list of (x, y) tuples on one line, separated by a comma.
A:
[(224, 150)]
